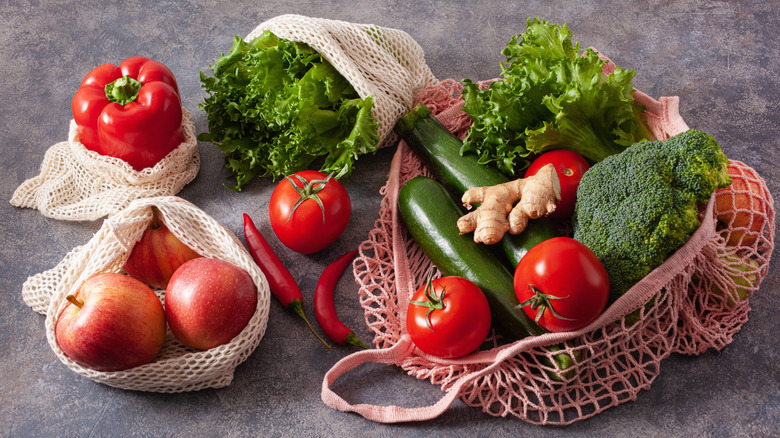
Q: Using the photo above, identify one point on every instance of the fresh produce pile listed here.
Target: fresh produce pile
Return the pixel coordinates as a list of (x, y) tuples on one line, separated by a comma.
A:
[(558, 200)]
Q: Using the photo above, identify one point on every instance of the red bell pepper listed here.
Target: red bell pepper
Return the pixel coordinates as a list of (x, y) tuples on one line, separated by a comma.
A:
[(132, 112)]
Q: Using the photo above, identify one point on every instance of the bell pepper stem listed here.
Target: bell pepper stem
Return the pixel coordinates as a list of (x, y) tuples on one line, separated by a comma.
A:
[(123, 90)]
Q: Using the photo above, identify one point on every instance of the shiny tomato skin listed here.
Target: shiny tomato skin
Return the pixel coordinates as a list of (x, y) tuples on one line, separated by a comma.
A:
[(564, 268), (304, 230), (455, 330), (570, 167)]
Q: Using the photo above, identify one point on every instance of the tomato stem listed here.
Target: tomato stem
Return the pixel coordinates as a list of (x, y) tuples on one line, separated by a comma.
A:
[(540, 302), (433, 302), (309, 190)]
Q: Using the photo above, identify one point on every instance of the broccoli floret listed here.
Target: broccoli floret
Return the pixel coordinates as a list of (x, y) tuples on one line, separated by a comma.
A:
[(635, 208)]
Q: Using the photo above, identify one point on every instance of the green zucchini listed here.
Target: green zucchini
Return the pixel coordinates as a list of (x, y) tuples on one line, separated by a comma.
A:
[(439, 149), (430, 215)]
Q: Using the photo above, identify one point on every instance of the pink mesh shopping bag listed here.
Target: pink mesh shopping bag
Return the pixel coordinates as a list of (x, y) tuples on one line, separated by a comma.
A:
[(697, 300)]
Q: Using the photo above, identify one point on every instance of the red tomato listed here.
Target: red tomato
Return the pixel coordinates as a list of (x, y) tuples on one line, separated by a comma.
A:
[(570, 167), (561, 284), (307, 213), (448, 317)]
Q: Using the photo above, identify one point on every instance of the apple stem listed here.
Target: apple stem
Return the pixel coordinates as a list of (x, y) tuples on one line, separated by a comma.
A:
[(75, 301), (155, 218)]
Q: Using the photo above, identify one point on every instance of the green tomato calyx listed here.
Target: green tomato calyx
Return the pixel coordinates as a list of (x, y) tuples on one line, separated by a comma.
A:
[(309, 190), (432, 302), (540, 302)]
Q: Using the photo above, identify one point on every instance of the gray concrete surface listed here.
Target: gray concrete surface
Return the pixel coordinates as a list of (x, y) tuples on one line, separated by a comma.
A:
[(720, 57)]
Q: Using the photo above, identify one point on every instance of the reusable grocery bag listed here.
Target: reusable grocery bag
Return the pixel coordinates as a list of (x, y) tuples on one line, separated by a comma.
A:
[(177, 368), (687, 305)]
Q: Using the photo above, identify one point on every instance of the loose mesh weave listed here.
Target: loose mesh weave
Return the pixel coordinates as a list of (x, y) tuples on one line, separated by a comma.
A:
[(81, 185), (385, 63), (674, 309), (176, 368)]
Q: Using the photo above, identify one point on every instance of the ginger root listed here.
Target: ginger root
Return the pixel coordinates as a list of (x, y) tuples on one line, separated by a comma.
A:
[(534, 197)]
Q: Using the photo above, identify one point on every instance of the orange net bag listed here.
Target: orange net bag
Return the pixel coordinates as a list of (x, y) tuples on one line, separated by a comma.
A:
[(696, 300)]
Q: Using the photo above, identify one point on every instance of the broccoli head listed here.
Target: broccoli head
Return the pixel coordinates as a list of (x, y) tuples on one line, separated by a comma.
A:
[(635, 208)]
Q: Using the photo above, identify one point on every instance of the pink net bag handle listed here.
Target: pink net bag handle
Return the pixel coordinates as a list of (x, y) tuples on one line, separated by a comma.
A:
[(403, 348)]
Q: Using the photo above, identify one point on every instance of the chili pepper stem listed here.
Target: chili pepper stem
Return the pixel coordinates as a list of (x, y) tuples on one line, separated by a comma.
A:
[(297, 308), (353, 340)]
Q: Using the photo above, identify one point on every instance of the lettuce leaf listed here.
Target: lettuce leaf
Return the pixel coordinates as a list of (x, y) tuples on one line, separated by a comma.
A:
[(275, 107), (551, 97)]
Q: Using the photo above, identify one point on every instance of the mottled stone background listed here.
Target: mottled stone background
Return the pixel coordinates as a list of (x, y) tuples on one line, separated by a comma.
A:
[(720, 57)]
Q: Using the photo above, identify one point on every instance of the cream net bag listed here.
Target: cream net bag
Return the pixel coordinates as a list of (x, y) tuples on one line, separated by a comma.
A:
[(378, 61), (176, 368), (81, 185), (677, 308)]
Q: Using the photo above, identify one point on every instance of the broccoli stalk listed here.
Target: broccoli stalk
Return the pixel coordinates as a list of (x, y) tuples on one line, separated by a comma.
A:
[(635, 208)]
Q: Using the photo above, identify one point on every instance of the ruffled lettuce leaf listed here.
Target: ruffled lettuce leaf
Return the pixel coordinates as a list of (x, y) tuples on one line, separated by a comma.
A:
[(275, 106)]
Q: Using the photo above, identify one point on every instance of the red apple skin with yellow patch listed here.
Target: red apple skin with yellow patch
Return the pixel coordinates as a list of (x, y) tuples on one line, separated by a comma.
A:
[(746, 195), (157, 255), (120, 325), (208, 302)]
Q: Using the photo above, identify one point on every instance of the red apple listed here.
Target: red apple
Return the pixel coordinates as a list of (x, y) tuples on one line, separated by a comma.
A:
[(741, 206), (113, 322), (208, 302), (157, 255)]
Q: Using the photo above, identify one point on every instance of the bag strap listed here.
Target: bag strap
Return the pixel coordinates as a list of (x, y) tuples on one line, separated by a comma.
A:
[(402, 349)]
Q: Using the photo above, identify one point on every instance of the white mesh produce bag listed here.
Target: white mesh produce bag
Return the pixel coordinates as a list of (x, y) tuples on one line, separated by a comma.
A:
[(176, 368), (378, 61), (78, 184)]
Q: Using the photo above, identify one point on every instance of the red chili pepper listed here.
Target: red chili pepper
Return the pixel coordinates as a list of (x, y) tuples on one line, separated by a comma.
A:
[(325, 308), (280, 281), (132, 112)]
